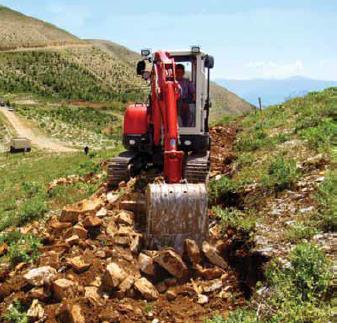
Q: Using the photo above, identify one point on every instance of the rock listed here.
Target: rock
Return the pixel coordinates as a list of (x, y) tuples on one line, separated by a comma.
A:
[(40, 276), (80, 231), (38, 293), (112, 197), (129, 205), (125, 218), (171, 295), (103, 212), (213, 286), (71, 314), (122, 239), (126, 284), (78, 264), (73, 240), (113, 276), (56, 225), (170, 282), (92, 221), (111, 228), (202, 299), (161, 287), (69, 214), (146, 288), (213, 256), (3, 249), (193, 251), (146, 264), (135, 243), (209, 273), (63, 288), (171, 262), (91, 293), (36, 311)]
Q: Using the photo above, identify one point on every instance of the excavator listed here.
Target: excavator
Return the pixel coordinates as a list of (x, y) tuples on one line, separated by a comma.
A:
[(170, 133)]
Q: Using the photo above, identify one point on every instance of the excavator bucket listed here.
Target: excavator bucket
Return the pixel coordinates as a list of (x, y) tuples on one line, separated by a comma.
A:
[(176, 212)]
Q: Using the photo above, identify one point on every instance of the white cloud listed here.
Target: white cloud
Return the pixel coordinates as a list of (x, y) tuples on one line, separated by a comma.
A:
[(272, 69)]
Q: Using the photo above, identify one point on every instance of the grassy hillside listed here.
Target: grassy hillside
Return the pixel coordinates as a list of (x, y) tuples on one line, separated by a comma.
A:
[(18, 30), (281, 196)]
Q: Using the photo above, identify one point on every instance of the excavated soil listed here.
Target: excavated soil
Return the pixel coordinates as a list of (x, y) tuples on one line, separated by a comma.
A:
[(113, 223)]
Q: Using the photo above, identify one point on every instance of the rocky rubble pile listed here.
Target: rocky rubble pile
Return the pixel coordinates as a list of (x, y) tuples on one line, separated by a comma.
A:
[(93, 268)]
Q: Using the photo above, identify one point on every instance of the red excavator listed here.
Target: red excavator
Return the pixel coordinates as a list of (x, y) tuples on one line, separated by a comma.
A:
[(170, 133)]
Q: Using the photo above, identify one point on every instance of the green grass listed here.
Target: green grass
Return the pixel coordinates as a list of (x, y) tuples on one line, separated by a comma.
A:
[(243, 222), (301, 231), (16, 313), (223, 191), (23, 188), (299, 289), (281, 174), (21, 247), (327, 197)]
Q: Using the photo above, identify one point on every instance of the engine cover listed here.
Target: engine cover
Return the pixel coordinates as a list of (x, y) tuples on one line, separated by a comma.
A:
[(136, 120)]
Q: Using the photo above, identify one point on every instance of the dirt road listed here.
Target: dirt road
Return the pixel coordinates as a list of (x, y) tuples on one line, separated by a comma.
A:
[(39, 140)]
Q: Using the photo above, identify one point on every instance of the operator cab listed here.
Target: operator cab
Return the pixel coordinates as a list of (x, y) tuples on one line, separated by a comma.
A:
[(194, 104)]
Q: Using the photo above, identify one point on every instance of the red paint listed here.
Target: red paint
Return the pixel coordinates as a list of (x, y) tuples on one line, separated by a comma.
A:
[(136, 120)]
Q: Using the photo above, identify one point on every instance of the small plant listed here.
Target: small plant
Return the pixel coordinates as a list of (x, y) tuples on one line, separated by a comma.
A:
[(281, 174), (300, 231), (327, 197), (234, 218), (21, 248), (238, 316), (16, 314), (223, 191), (298, 289), (32, 209)]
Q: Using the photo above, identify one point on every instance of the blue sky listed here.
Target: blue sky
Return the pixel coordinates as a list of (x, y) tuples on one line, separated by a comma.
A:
[(249, 38)]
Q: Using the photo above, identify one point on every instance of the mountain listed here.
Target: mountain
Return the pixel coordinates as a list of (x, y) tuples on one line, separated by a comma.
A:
[(274, 91), (37, 57), (18, 31)]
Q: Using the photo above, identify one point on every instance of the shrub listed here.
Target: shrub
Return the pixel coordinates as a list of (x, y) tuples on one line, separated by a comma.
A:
[(300, 231), (253, 140), (234, 218), (327, 197), (32, 209), (223, 190), (281, 174), (238, 316), (298, 289), (21, 248), (16, 313)]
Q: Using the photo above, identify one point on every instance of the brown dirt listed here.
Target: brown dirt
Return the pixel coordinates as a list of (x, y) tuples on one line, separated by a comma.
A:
[(131, 307)]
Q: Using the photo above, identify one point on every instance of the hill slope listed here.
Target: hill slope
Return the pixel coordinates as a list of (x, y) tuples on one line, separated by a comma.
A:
[(55, 63), (18, 30)]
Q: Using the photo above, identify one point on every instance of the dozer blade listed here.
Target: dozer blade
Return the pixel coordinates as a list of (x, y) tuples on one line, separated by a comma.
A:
[(176, 212)]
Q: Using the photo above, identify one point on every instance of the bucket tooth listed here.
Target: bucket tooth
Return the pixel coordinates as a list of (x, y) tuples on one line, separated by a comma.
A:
[(176, 212)]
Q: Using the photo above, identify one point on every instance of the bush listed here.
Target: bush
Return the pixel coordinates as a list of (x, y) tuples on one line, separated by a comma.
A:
[(32, 209), (298, 289), (223, 190), (253, 140), (16, 314), (327, 197), (238, 316), (300, 231), (233, 218), (281, 174), (21, 248)]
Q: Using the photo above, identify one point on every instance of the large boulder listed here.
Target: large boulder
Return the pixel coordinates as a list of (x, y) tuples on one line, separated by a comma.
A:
[(171, 262), (213, 255), (146, 289), (40, 276), (113, 276)]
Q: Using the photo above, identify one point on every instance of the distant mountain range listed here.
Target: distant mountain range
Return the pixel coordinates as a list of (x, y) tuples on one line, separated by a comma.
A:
[(274, 91)]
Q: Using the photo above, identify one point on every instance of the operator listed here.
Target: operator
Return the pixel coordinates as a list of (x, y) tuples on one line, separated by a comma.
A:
[(187, 96)]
